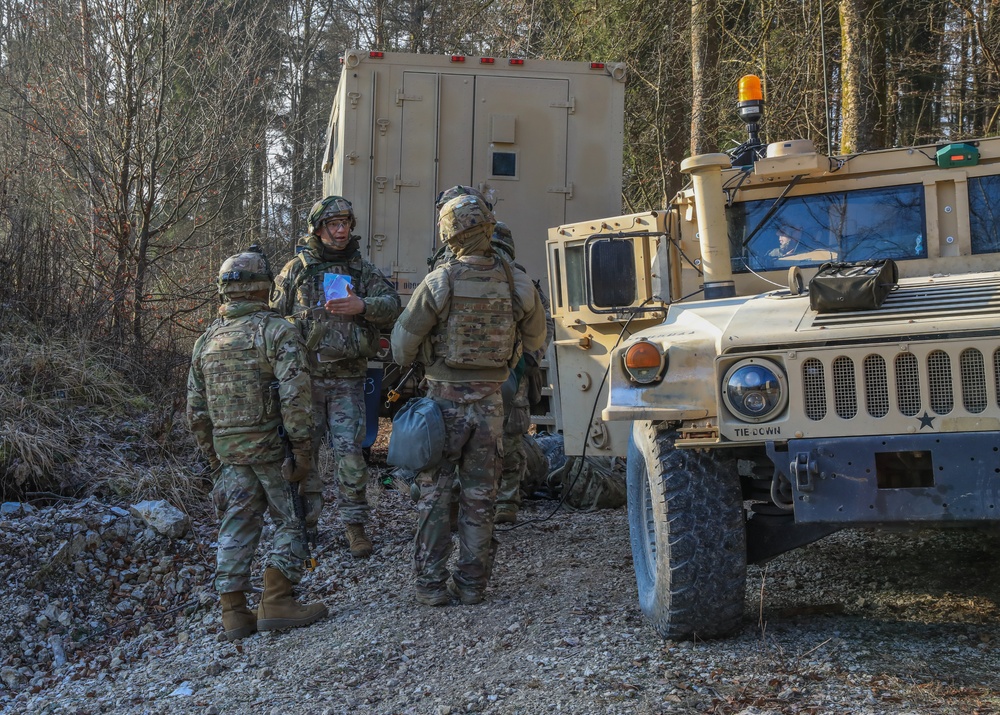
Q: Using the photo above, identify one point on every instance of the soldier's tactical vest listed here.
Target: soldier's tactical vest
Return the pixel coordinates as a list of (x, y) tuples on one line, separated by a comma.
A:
[(238, 377), (332, 337), (480, 329)]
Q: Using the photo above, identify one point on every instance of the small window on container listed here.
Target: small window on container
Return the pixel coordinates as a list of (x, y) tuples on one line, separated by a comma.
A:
[(503, 164)]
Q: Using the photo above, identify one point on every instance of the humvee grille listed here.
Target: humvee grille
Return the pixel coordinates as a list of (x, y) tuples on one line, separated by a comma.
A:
[(887, 380), (815, 393), (876, 386), (973, 380)]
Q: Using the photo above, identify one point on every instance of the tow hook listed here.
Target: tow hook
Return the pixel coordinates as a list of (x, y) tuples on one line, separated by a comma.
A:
[(805, 470)]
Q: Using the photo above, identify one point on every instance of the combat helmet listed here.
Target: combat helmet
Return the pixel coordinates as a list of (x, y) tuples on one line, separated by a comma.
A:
[(460, 190), (464, 217), (328, 208), (503, 240), (245, 273)]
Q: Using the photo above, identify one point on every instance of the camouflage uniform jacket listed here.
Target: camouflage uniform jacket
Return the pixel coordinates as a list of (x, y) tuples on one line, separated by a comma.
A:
[(298, 295), (427, 311), (248, 375)]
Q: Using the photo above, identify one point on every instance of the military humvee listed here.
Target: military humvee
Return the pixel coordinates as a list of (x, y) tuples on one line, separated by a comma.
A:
[(754, 423)]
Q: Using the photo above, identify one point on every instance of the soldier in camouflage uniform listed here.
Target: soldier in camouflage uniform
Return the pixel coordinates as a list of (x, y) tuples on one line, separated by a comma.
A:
[(461, 323), (517, 409), (248, 377), (341, 335), (517, 415)]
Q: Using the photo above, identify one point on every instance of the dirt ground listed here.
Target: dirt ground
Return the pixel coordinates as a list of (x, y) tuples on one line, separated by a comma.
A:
[(861, 622)]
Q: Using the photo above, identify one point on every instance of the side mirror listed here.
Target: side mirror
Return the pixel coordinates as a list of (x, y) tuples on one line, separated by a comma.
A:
[(611, 274), (617, 273)]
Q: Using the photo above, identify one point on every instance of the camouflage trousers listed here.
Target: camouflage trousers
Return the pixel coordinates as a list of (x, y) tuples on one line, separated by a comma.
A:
[(515, 461), (472, 456), (241, 494), (339, 411)]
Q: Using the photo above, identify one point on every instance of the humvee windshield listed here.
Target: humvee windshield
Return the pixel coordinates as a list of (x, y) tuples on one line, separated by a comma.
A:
[(845, 226), (984, 213)]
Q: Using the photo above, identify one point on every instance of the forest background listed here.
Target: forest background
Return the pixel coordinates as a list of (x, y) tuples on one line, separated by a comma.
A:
[(143, 141)]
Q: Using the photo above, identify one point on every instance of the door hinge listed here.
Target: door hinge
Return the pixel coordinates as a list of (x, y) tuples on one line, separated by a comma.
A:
[(403, 97), (569, 104), (399, 181), (567, 189)]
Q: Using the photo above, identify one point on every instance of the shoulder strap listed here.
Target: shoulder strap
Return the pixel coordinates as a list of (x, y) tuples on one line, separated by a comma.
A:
[(510, 282)]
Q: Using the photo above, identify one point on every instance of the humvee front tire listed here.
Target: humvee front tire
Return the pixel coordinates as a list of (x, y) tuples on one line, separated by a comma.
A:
[(686, 525)]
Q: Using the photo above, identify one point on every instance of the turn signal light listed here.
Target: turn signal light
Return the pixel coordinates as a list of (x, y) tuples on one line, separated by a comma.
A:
[(644, 362)]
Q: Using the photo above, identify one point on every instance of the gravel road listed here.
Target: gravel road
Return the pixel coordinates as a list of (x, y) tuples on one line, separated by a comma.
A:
[(862, 622)]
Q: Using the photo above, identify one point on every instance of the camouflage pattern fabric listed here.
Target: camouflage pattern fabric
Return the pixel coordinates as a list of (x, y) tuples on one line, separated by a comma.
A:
[(241, 495), (479, 330), (417, 333), (456, 191), (465, 224), (339, 407), (245, 431), (298, 295), (536, 469), (472, 408), (248, 374), (473, 459), (516, 423), (330, 207), (590, 483)]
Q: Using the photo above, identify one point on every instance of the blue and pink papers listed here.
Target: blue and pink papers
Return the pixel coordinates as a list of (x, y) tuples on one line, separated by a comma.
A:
[(335, 285)]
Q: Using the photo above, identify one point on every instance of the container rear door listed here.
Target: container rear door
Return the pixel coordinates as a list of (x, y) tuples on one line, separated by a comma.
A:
[(435, 153), (520, 153)]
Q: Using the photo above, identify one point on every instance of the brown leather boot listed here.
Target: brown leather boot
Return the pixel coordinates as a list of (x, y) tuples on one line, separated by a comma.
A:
[(358, 541), (278, 609), (237, 620)]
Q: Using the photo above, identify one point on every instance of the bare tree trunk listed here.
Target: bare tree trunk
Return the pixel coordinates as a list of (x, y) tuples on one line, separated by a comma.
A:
[(863, 73), (705, 36), (86, 38)]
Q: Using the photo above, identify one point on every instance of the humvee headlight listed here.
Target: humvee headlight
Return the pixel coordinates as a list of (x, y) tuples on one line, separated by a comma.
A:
[(754, 390), (644, 362)]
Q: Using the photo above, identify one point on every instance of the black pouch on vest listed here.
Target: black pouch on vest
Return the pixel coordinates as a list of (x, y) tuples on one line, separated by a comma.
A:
[(852, 286)]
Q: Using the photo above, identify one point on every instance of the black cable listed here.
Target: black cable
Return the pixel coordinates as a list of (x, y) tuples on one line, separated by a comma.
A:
[(583, 455)]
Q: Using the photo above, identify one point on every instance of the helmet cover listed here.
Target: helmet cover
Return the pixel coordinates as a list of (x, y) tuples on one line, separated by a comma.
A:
[(464, 216), (503, 240), (459, 190), (331, 207), (244, 273)]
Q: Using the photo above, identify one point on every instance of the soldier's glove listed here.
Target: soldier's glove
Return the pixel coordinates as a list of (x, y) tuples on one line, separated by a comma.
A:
[(214, 464), (533, 378), (302, 451)]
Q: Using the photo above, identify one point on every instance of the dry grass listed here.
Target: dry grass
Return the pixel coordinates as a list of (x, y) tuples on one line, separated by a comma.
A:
[(72, 425)]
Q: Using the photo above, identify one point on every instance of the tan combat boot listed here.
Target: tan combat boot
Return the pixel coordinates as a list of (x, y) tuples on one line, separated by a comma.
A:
[(237, 620), (278, 609), (358, 541)]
